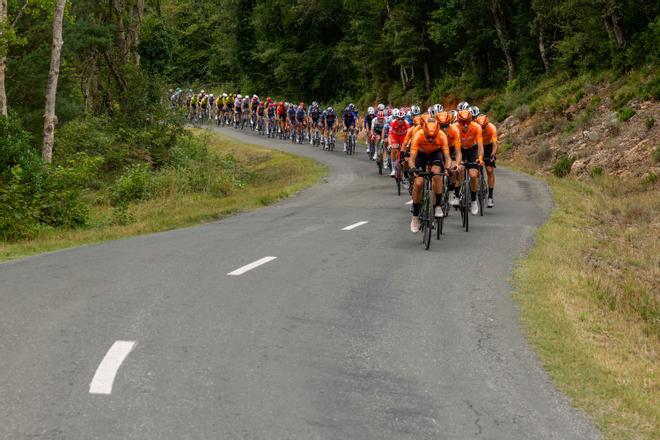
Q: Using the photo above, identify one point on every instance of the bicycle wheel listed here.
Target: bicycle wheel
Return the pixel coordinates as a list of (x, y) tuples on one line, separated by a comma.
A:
[(483, 191), (466, 203), (379, 162), (427, 222)]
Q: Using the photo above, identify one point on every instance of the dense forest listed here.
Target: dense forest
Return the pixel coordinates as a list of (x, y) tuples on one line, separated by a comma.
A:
[(119, 57)]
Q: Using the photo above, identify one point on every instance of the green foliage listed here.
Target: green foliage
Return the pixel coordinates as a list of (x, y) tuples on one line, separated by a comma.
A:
[(656, 155), (562, 167), (596, 171), (134, 185), (625, 113), (649, 122)]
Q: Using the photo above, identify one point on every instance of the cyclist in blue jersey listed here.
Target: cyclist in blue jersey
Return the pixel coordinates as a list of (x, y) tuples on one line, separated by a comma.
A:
[(349, 118), (370, 116), (314, 117)]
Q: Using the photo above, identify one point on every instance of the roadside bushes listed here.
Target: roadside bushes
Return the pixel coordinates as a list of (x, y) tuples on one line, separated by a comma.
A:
[(34, 196)]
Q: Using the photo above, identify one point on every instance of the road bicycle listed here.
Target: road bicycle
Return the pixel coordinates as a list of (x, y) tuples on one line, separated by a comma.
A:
[(426, 213), (464, 198), (482, 190)]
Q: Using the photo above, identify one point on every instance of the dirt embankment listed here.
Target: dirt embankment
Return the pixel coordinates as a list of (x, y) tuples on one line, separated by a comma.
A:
[(600, 140)]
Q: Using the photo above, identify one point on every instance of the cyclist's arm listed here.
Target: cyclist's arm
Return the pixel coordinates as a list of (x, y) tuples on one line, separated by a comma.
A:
[(496, 143)]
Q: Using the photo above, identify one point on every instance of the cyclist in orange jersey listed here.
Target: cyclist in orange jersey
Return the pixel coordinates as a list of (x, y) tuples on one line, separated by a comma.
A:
[(472, 149), (491, 145), (454, 137), (429, 147)]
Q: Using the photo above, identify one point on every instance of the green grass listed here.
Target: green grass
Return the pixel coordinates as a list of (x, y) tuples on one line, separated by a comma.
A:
[(278, 175), (590, 304)]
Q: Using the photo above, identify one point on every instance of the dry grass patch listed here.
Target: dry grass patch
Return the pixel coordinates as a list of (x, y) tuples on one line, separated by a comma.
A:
[(590, 302)]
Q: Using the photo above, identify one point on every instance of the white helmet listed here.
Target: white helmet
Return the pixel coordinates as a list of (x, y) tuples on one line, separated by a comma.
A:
[(435, 109), (224, 95), (415, 110), (202, 92), (396, 113), (454, 115), (239, 96), (429, 110), (381, 107), (474, 111), (255, 96), (211, 95), (463, 106), (371, 111)]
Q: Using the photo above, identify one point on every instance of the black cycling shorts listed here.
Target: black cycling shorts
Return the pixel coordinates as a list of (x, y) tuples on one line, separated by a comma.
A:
[(471, 155), (435, 158), (488, 151)]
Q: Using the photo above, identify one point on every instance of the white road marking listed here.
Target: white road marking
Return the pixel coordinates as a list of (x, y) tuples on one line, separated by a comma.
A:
[(107, 370), (409, 202), (247, 267), (353, 226)]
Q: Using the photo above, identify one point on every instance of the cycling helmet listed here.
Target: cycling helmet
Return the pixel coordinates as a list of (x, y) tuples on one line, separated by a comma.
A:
[(331, 110), (428, 110), (482, 120), (381, 115), (202, 92), (224, 95), (282, 103), (416, 111), (443, 118), (269, 99), (389, 112), (464, 116), (435, 109), (454, 115), (315, 104), (474, 111), (381, 107), (396, 113), (351, 106), (239, 96), (431, 127), (462, 106), (371, 111)]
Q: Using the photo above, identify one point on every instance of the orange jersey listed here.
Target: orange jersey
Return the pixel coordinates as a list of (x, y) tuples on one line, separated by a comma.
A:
[(453, 136), (489, 133), (411, 132), (470, 135), (420, 143)]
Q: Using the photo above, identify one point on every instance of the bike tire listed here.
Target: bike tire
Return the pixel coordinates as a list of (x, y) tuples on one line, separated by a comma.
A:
[(398, 186), (427, 224), (379, 162)]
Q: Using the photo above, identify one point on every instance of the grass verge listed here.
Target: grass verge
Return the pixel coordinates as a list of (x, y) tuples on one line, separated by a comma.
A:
[(277, 175), (588, 293)]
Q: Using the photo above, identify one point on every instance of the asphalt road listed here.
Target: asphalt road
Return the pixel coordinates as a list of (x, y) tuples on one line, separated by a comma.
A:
[(347, 334)]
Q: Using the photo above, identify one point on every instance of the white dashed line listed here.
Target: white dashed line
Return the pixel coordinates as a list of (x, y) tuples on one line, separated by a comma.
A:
[(353, 226), (107, 370), (247, 267)]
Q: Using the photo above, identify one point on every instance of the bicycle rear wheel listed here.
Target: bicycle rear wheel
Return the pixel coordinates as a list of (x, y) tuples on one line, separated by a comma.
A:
[(427, 222)]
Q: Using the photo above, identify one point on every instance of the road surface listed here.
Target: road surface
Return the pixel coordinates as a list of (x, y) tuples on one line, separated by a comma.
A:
[(296, 321)]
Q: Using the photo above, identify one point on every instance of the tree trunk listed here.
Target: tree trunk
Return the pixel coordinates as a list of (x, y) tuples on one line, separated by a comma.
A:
[(427, 78), (544, 55), (499, 16), (3, 92), (50, 120)]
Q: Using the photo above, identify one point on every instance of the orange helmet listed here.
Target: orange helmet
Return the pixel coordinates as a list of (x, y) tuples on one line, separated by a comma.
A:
[(430, 127), (482, 120), (443, 118), (464, 116)]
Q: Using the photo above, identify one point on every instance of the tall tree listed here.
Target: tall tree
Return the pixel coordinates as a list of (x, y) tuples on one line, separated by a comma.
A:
[(3, 26), (50, 119)]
